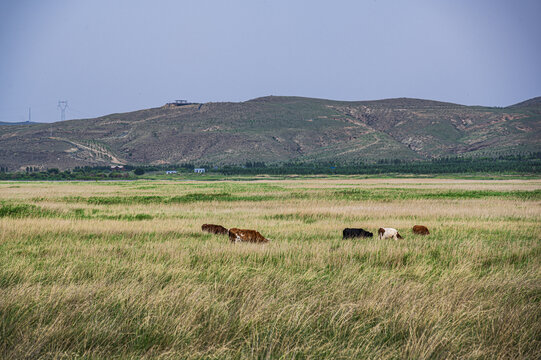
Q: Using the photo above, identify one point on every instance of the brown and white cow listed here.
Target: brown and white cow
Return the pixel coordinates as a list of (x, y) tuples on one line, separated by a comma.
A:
[(388, 233), (420, 230), (245, 235), (214, 229)]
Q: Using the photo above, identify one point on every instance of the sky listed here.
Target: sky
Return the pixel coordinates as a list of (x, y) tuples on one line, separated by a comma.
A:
[(107, 56)]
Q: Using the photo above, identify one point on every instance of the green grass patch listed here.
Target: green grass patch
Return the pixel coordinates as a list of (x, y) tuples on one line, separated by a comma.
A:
[(24, 210), (307, 219), (162, 199), (407, 194)]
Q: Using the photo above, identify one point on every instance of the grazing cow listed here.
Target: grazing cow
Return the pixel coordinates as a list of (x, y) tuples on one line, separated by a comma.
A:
[(244, 235), (214, 229), (388, 233), (353, 233), (420, 230)]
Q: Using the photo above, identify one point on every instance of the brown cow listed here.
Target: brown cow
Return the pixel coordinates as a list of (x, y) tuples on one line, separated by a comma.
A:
[(214, 229), (420, 230), (244, 235)]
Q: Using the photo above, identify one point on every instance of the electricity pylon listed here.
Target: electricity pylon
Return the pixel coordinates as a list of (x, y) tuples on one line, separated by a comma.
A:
[(62, 105)]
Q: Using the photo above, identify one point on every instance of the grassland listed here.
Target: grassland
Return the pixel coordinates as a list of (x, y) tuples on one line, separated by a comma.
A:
[(104, 270)]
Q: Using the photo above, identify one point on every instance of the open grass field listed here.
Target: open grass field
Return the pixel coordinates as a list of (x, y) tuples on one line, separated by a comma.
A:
[(106, 270)]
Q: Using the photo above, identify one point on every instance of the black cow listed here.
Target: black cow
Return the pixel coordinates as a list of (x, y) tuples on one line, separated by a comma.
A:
[(353, 233)]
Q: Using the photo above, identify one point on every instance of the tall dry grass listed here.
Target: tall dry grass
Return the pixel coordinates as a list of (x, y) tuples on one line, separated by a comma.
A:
[(81, 275)]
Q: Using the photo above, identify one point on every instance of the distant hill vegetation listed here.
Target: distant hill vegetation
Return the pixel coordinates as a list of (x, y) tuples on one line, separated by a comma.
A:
[(17, 123), (277, 129)]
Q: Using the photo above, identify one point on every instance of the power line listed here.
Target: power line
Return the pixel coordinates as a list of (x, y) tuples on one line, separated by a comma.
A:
[(77, 112)]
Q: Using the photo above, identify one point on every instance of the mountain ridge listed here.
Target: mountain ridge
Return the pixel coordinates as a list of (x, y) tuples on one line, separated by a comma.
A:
[(18, 122), (275, 129)]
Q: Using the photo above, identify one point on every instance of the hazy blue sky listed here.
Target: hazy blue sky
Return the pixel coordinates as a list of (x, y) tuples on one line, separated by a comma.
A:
[(115, 56)]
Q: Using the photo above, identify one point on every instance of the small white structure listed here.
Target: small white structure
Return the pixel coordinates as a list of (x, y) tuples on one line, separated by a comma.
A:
[(170, 172), (199, 170)]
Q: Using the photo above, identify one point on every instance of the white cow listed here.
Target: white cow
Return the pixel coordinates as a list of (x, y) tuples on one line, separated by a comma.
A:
[(387, 233)]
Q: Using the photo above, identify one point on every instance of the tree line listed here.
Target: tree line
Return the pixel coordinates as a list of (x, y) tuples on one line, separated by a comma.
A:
[(519, 164)]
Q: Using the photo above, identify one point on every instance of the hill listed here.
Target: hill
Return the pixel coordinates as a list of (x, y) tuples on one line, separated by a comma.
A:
[(276, 129), (533, 104), (17, 123)]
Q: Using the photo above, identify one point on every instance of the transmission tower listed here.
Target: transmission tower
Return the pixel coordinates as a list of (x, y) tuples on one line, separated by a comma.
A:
[(62, 105)]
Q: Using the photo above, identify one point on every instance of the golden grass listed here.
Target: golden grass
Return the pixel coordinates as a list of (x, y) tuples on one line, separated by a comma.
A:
[(77, 282)]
